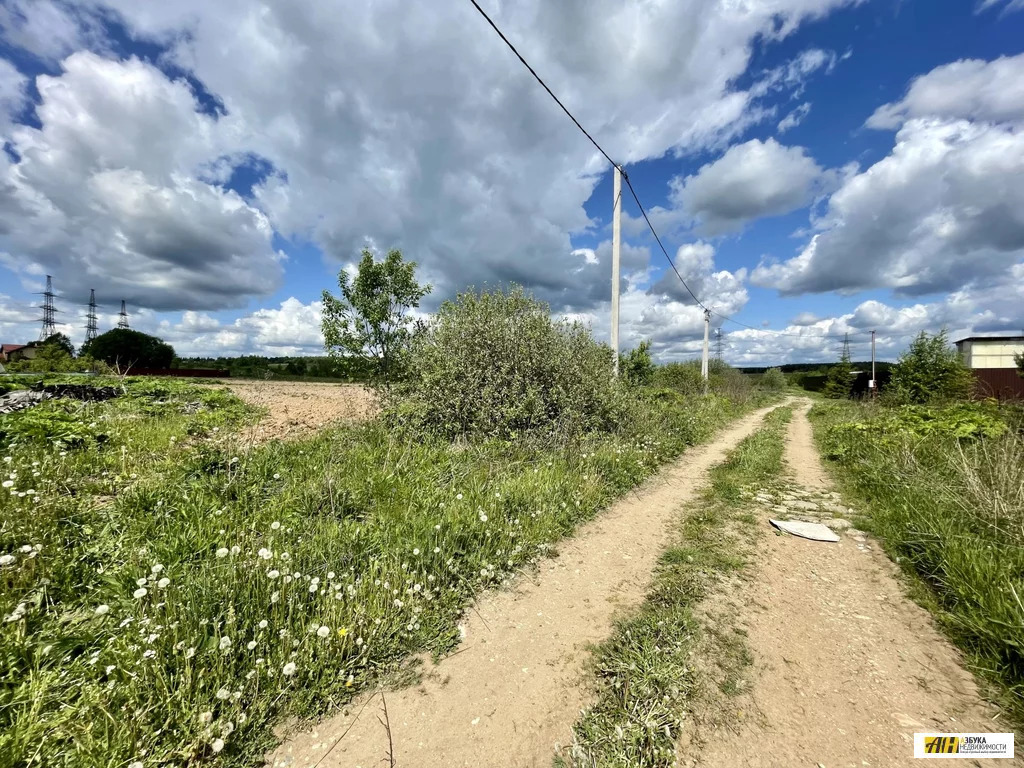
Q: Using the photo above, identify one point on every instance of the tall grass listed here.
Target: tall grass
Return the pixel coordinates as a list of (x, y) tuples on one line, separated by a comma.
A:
[(169, 594), (948, 501)]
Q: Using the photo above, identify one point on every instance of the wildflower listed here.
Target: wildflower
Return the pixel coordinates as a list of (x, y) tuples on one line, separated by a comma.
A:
[(136, 764), (323, 631), (217, 745), (223, 694), (263, 624), (235, 549), (459, 496), (7, 483), (190, 653), (228, 728), (174, 439), (6, 559), (222, 552), (265, 553), (288, 669), (359, 641), (275, 525), (483, 517), (348, 683), (163, 583), (275, 597), (225, 643), (330, 574), (205, 717), (157, 568), (140, 582), (416, 551), (109, 669), (251, 644), (149, 654), (140, 593), (273, 573), (277, 475), (313, 587)]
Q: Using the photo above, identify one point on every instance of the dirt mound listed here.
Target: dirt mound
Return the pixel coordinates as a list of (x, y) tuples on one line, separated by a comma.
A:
[(296, 408)]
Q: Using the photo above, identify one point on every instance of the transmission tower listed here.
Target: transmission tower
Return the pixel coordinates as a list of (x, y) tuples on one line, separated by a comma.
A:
[(718, 344), (49, 312), (122, 321), (846, 348), (90, 325)]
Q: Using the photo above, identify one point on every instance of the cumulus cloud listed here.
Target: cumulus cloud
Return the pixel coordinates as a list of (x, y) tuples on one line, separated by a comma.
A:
[(106, 194), (751, 180), (943, 210), (405, 126), (970, 89)]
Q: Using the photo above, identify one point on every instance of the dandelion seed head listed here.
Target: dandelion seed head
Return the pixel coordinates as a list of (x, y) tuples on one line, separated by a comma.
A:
[(140, 593), (163, 583), (222, 552), (288, 669), (274, 526), (223, 694), (217, 745), (205, 717), (323, 631)]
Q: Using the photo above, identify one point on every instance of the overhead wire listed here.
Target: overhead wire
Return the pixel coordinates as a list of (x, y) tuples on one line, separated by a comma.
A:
[(629, 184)]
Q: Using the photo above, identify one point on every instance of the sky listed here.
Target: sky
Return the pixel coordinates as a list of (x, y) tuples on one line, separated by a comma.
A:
[(814, 168)]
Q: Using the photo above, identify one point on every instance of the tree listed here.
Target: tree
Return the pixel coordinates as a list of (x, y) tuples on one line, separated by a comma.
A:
[(125, 349), (58, 341), (636, 366), (930, 370), (370, 320), (1019, 360), (837, 384), (774, 379)]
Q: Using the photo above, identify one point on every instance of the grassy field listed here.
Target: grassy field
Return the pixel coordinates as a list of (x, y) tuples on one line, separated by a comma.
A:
[(170, 592), (645, 674), (943, 487)]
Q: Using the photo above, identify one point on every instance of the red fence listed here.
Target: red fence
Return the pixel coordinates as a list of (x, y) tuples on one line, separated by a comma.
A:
[(1000, 383), (202, 373)]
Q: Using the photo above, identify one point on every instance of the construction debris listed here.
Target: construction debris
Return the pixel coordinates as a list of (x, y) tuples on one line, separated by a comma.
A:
[(26, 398)]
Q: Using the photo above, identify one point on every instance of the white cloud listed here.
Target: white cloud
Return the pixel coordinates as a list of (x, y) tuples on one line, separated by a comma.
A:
[(970, 89), (1010, 5), (412, 127), (942, 211), (106, 194), (48, 29), (749, 181), (13, 95), (794, 118)]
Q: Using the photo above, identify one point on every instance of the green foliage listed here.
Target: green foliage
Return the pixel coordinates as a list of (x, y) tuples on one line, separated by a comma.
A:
[(944, 489), (682, 377), (636, 366), (371, 318), (839, 380), (397, 533), (773, 380), (496, 364), (929, 371), (723, 380), (1018, 358), (60, 341), (125, 349)]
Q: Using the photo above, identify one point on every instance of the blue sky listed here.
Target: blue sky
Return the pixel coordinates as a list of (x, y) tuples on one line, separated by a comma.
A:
[(814, 167)]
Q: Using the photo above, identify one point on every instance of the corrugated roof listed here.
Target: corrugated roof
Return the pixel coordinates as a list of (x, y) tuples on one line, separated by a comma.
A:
[(990, 338)]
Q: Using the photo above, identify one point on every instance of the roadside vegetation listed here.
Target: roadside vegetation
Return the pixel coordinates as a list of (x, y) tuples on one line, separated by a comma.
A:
[(171, 591), (941, 483), (653, 672)]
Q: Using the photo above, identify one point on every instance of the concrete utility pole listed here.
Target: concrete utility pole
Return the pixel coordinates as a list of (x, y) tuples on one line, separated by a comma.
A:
[(616, 238), (874, 381), (704, 357)]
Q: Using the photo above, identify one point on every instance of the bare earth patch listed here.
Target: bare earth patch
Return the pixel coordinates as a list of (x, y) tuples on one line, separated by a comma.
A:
[(512, 690), (296, 408), (846, 667)]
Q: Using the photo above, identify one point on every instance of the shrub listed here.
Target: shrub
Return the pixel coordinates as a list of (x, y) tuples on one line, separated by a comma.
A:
[(124, 349), (773, 379), (723, 380), (929, 371), (684, 378), (495, 363), (636, 366)]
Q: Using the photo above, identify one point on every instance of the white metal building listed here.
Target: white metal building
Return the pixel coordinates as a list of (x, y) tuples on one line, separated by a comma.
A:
[(990, 351)]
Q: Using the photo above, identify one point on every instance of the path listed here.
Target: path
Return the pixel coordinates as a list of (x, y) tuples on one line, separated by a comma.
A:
[(846, 667), (511, 692)]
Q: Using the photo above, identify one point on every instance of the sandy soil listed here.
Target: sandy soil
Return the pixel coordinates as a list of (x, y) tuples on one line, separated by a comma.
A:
[(846, 667), (297, 408), (511, 692)]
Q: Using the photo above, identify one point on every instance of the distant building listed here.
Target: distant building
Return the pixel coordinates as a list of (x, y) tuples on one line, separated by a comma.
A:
[(990, 351), (10, 353)]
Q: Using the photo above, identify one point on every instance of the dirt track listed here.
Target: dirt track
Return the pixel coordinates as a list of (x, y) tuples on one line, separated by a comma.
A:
[(512, 692), (846, 667), (296, 408)]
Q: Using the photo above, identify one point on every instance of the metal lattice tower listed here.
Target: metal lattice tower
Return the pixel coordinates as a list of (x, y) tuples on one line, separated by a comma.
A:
[(122, 321), (719, 344), (91, 329), (49, 318), (846, 348)]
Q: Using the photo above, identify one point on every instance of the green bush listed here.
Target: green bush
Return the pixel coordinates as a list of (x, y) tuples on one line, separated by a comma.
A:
[(723, 380), (773, 379), (929, 371), (496, 364), (636, 366)]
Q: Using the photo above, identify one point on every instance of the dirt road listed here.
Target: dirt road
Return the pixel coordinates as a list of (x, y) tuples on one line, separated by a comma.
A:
[(511, 692), (846, 667), (296, 408)]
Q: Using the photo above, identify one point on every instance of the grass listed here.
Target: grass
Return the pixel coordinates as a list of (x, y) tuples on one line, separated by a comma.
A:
[(943, 488), (646, 674), (170, 593)]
